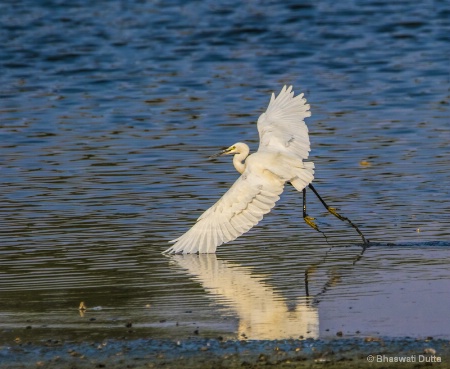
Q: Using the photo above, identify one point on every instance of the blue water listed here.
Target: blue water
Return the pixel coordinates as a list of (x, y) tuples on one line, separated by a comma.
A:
[(109, 111)]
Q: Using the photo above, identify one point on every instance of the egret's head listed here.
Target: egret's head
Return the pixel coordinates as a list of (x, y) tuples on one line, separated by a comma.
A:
[(237, 148)]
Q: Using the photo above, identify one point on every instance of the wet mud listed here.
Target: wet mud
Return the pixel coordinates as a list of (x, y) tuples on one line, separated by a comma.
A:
[(217, 353)]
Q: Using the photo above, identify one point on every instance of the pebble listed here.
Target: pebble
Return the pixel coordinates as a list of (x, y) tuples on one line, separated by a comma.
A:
[(429, 351)]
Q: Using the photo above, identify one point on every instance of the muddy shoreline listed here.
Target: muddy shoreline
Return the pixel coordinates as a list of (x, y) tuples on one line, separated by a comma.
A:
[(216, 353)]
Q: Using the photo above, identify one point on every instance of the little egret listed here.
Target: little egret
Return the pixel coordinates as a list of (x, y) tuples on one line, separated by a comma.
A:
[(284, 144)]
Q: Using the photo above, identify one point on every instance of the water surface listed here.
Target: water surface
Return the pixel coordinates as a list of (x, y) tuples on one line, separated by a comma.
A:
[(108, 113)]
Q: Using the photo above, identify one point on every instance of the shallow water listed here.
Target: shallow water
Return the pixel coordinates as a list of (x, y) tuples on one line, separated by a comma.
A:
[(108, 113)]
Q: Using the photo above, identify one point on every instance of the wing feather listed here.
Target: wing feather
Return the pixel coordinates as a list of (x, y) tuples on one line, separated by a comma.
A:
[(239, 209), (282, 128), (284, 143)]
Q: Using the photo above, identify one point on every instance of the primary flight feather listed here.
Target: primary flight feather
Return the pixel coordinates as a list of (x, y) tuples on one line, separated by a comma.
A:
[(284, 144)]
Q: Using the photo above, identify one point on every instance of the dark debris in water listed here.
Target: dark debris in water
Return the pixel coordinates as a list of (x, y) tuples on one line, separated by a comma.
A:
[(205, 353)]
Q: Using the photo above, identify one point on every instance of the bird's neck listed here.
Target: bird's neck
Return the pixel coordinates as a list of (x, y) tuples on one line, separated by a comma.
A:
[(239, 159), (239, 163)]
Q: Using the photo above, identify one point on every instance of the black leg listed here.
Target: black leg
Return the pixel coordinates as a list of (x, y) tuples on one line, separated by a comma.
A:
[(336, 214), (310, 220)]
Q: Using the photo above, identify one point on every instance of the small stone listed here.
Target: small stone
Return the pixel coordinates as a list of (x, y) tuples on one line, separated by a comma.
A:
[(339, 334), (372, 339), (262, 357)]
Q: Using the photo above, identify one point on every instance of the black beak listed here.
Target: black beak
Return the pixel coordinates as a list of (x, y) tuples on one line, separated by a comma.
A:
[(220, 153)]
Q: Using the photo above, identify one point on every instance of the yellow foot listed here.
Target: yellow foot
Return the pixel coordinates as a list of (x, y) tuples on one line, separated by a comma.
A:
[(335, 213), (310, 221)]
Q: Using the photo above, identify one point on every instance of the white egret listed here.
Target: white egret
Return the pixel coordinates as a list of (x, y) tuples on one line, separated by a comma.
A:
[(284, 145)]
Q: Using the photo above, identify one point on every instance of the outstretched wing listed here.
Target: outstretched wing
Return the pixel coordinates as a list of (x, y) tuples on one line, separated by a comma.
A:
[(282, 128), (239, 209)]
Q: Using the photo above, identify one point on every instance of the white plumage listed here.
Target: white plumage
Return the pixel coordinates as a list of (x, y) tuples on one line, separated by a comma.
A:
[(284, 143)]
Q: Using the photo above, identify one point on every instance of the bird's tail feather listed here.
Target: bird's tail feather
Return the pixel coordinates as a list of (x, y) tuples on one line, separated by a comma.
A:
[(304, 177)]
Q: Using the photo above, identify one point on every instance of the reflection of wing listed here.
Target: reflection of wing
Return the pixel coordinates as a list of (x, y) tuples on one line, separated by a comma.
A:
[(239, 209), (282, 128), (263, 313)]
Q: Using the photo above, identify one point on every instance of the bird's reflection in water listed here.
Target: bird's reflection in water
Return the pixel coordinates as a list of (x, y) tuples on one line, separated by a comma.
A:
[(264, 314)]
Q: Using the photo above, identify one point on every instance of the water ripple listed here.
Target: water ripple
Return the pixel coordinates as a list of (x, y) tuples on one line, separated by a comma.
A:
[(108, 116)]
